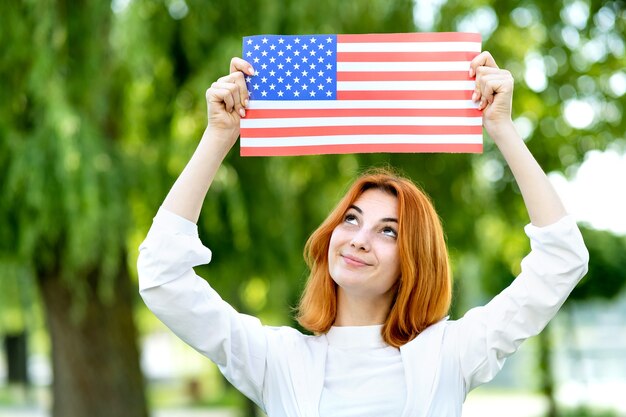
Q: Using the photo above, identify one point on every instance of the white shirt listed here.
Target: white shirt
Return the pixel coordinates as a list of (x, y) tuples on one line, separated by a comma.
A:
[(364, 375), (285, 372)]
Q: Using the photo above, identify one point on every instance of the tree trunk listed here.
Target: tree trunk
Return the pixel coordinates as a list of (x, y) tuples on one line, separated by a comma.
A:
[(95, 360), (546, 372)]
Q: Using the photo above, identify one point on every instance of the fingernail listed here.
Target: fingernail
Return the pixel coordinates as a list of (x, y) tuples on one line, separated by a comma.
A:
[(246, 102), (471, 72), (251, 70), (474, 96), (242, 112)]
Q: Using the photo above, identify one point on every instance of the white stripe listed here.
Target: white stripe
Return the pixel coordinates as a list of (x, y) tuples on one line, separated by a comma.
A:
[(361, 121), (409, 47), (404, 66), (359, 139), (404, 85), (361, 104)]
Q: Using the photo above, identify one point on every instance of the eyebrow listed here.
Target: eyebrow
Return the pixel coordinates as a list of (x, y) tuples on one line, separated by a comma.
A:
[(383, 220)]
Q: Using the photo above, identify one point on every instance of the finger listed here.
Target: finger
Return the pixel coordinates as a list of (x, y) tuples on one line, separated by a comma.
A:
[(482, 59), (237, 83), (238, 64), (482, 74), (225, 94), (240, 80), (492, 85)]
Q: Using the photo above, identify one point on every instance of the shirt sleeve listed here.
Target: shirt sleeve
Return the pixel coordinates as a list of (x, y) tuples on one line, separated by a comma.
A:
[(186, 304), (487, 335)]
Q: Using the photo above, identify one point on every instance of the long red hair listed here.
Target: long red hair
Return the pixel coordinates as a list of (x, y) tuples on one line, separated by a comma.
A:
[(425, 286)]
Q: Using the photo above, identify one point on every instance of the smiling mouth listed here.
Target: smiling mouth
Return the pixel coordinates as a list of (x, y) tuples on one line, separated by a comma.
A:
[(354, 261)]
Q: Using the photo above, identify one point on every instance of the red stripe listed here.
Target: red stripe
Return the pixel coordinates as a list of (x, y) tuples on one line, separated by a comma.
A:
[(404, 76), (305, 113), (405, 56), (411, 37), (285, 132), (373, 148), (405, 95)]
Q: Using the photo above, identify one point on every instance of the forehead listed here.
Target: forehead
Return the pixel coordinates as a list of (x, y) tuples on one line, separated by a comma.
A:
[(377, 201)]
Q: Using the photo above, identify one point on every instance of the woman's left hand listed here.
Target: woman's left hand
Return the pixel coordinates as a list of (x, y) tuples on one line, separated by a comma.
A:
[(493, 93)]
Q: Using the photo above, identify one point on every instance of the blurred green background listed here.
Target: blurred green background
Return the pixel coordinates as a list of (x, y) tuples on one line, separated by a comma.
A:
[(101, 105)]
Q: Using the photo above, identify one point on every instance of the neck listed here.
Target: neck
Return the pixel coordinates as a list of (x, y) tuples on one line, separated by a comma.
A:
[(353, 310)]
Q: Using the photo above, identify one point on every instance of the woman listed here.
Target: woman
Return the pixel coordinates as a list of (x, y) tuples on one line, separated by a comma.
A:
[(379, 288)]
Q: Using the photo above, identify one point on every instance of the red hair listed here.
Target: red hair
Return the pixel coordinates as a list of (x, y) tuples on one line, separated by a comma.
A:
[(425, 286)]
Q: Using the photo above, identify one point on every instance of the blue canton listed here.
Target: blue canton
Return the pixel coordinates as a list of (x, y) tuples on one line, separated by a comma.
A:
[(294, 67)]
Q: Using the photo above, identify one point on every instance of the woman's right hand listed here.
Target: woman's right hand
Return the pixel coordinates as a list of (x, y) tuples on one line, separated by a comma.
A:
[(227, 99)]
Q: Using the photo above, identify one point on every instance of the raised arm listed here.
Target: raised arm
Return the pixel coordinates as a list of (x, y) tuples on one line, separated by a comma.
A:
[(226, 102), (494, 92), (487, 335)]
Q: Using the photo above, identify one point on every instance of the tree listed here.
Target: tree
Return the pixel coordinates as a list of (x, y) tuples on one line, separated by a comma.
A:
[(63, 213)]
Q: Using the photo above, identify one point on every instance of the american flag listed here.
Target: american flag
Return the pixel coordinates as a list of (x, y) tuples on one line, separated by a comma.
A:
[(328, 94)]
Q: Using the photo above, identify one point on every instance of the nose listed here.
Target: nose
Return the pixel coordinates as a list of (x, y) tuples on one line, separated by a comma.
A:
[(360, 240)]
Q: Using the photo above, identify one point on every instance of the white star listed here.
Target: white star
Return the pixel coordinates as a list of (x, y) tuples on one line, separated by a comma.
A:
[(304, 86), (320, 73), (256, 47), (305, 59), (280, 94), (272, 47), (288, 73), (264, 40), (297, 40), (313, 40), (264, 53), (312, 53), (329, 53), (329, 66), (320, 87), (248, 53), (296, 66), (264, 80), (320, 60), (281, 40), (312, 80), (329, 40), (256, 86), (248, 79), (312, 93), (296, 53), (288, 86), (305, 73), (263, 66), (264, 93), (272, 60), (280, 79), (329, 80), (296, 94), (280, 53), (305, 46), (272, 73), (249, 41), (312, 66), (288, 59), (329, 94), (256, 60), (280, 66), (272, 86), (296, 80), (320, 46), (288, 47)]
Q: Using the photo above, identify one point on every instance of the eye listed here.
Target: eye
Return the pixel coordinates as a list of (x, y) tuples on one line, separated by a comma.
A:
[(390, 231), (350, 218)]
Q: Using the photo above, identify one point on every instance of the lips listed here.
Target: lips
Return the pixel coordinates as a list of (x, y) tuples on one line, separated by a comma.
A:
[(354, 260)]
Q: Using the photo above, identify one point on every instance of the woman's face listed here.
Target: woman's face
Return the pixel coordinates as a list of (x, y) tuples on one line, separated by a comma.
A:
[(363, 257)]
